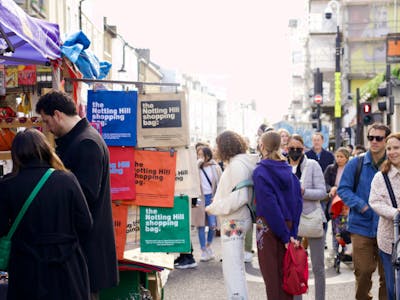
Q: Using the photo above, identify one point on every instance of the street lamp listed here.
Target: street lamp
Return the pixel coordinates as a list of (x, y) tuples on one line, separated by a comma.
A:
[(335, 5)]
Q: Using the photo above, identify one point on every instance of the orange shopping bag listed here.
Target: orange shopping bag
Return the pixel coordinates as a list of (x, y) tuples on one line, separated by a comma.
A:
[(120, 216), (155, 178)]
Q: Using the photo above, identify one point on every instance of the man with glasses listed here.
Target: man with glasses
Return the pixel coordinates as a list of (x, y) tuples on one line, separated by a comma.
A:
[(354, 188)]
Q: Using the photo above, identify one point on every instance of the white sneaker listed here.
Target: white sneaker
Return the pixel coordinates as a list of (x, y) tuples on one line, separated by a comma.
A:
[(210, 252), (248, 257), (204, 256)]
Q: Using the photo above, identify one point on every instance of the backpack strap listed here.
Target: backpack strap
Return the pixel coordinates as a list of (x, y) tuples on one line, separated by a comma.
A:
[(360, 163), (243, 184), (390, 189)]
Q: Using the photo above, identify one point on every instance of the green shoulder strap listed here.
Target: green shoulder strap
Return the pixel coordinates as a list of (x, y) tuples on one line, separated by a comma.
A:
[(242, 184), (28, 202)]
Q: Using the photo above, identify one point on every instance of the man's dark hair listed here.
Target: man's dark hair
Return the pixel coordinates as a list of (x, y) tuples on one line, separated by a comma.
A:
[(361, 147), (56, 100), (380, 126)]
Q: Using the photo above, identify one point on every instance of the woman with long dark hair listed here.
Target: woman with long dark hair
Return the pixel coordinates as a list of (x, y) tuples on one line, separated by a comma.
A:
[(210, 173), (313, 189), (46, 260)]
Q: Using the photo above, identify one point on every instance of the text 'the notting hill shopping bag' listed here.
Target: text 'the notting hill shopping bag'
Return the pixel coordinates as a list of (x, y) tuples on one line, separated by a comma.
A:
[(155, 178)]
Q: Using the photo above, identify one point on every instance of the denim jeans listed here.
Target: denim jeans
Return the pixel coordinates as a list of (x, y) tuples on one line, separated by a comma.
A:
[(389, 273), (212, 223)]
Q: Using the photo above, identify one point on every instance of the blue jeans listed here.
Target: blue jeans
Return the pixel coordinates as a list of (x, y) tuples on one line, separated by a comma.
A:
[(212, 223), (389, 273)]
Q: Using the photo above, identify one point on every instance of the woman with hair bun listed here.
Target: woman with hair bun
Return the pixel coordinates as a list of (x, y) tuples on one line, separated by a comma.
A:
[(279, 205)]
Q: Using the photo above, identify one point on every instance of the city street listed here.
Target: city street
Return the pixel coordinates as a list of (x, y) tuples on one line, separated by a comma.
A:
[(206, 280)]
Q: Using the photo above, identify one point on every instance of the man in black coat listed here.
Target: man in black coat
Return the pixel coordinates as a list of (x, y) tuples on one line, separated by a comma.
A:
[(318, 153), (84, 152)]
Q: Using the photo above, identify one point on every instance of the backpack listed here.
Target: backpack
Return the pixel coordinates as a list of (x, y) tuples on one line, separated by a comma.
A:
[(252, 205), (358, 171), (295, 270)]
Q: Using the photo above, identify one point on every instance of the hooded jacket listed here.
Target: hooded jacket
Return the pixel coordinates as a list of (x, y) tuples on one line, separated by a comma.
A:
[(226, 203), (278, 197)]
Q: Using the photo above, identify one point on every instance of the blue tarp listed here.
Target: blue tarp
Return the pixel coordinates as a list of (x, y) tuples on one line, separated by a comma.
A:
[(75, 48), (34, 41)]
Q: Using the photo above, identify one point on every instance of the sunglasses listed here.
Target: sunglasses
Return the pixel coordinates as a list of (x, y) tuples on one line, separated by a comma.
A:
[(296, 149), (378, 138)]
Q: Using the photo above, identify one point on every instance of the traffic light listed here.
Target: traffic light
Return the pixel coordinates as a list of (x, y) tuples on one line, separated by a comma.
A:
[(388, 104), (315, 120), (366, 115), (318, 84)]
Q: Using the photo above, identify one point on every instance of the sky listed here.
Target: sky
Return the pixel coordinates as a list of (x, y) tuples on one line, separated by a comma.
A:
[(241, 47)]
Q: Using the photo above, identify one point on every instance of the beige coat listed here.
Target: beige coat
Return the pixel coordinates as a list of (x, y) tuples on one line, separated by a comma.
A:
[(380, 202), (198, 212)]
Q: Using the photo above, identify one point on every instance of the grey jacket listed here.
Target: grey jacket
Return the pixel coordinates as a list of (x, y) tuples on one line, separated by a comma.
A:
[(313, 182)]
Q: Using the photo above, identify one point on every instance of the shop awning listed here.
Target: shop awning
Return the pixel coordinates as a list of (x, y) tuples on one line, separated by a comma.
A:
[(26, 40)]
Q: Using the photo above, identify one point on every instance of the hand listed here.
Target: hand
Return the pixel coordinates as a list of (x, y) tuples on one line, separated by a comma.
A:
[(364, 209), (302, 191), (295, 242), (333, 191)]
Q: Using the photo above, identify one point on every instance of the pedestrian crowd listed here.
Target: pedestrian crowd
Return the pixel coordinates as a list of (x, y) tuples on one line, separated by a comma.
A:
[(356, 188), (296, 192)]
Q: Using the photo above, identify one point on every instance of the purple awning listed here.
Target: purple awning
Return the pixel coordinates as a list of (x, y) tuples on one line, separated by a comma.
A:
[(34, 41)]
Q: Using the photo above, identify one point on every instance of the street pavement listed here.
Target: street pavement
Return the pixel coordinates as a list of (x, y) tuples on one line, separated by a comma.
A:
[(206, 280)]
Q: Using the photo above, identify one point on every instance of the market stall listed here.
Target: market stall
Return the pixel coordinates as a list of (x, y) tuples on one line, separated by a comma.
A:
[(29, 55)]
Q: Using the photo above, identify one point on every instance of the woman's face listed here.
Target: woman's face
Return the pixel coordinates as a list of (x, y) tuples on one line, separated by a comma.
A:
[(295, 149), (284, 138), (393, 151), (341, 159), (200, 154)]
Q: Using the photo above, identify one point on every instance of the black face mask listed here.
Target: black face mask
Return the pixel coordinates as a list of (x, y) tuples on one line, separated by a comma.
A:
[(295, 154)]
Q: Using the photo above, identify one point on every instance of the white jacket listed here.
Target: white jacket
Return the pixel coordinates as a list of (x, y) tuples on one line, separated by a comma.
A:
[(228, 204)]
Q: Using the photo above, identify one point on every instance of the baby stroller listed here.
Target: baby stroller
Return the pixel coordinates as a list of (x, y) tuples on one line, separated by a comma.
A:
[(339, 214)]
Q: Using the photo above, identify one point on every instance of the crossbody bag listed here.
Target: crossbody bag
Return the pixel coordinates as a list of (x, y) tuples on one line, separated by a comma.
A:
[(395, 245), (5, 241)]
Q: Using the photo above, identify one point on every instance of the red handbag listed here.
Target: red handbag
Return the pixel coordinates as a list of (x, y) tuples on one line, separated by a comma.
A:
[(295, 270)]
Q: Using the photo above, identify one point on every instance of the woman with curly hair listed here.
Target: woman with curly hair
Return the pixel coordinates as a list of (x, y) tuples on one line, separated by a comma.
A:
[(230, 207)]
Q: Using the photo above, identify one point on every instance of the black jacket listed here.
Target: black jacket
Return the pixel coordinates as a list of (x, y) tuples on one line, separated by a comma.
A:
[(326, 158), (330, 176), (85, 153), (46, 260)]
